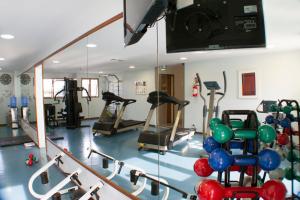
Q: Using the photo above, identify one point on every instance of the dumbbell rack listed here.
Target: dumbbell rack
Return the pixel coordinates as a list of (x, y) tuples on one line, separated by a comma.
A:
[(280, 104), (251, 115)]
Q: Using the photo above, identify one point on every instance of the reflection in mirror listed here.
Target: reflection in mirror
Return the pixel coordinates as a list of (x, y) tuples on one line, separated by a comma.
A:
[(67, 98), (125, 80), (17, 103)]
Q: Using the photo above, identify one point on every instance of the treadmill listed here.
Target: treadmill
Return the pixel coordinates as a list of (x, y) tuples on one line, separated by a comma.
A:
[(114, 124), (164, 140)]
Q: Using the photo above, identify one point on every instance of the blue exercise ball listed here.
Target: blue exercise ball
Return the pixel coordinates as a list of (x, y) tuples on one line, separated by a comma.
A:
[(220, 160), (269, 119), (210, 144), (268, 159), (285, 123)]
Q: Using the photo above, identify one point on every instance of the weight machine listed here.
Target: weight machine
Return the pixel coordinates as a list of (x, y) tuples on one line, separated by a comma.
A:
[(73, 108)]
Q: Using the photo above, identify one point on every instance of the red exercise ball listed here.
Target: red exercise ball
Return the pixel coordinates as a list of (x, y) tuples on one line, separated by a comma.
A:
[(283, 139), (202, 167), (273, 190), (287, 131), (249, 170), (210, 189)]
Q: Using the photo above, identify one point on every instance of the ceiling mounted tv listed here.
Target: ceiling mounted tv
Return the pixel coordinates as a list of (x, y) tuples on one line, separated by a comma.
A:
[(216, 24), (138, 16)]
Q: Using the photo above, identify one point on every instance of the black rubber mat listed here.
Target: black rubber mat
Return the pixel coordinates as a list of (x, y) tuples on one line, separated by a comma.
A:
[(11, 141)]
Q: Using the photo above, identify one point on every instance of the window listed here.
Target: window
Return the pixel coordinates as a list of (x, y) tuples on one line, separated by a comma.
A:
[(91, 85), (53, 86)]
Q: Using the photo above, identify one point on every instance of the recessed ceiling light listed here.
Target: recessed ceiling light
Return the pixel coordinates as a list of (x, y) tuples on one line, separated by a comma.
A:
[(1, 59), (90, 45), (131, 67), (183, 58), (101, 72), (7, 36), (56, 61)]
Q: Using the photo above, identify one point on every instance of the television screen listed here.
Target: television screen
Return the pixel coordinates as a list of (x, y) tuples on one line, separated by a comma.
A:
[(216, 24), (138, 15)]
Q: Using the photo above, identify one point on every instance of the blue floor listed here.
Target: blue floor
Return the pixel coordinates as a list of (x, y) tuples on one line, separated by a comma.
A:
[(176, 166)]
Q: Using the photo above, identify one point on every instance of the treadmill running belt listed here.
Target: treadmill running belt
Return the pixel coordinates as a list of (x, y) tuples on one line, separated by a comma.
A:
[(127, 123), (156, 138), (12, 141)]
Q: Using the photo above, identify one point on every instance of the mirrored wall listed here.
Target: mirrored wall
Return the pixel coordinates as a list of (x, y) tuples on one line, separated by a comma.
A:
[(95, 100)]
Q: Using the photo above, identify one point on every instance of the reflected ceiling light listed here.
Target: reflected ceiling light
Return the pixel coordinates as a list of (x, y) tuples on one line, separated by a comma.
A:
[(101, 72), (200, 52), (90, 45), (2, 59), (7, 36), (131, 67), (183, 58), (0, 68), (56, 61), (164, 68)]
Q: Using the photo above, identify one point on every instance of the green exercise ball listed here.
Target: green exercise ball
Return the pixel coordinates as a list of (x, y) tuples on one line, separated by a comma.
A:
[(214, 122), (273, 108), (287, 109), (288, 173), (267, 134), (222, 133), (296, 156)]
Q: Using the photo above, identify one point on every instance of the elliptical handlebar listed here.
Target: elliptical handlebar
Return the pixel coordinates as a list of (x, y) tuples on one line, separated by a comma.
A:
[(222, 94), (225, 88), (200, 88)]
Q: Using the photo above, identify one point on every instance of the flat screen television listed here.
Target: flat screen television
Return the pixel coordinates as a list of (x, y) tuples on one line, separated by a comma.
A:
[(138, 15), (216, 24)]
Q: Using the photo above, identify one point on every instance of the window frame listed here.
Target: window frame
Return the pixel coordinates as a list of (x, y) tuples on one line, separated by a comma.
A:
[(52, 88), (89, 89)]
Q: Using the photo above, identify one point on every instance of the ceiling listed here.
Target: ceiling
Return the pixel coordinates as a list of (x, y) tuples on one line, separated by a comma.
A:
[(41, 28)]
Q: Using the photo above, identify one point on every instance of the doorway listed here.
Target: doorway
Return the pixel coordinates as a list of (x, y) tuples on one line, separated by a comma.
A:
[(170, 80), (166, 111)]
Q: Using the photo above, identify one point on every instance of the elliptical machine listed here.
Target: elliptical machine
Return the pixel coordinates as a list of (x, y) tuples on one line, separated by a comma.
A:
[(73, 108), (212, 109)]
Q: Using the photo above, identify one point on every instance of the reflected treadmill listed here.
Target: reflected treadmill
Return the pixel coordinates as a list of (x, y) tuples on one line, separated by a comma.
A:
[(109, 125), (164, 140)]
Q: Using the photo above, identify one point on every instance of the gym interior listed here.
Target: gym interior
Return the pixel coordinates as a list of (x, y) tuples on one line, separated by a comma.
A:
[(155, 99)]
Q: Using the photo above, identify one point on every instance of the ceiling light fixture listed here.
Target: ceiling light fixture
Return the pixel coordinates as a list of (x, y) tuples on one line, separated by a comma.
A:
[(2, 59), (183, 58), (90, 45), (131, 67), (7, 36), (56, 61)]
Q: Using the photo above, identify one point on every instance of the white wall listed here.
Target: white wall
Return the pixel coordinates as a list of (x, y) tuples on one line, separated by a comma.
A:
[(278, 75), (6, 91), (140, 109)]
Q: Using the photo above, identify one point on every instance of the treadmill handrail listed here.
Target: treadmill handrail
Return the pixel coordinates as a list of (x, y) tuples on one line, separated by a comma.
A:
[(129, 101)]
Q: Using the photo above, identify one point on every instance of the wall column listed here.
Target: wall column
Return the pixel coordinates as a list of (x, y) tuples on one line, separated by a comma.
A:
[(39, 103)]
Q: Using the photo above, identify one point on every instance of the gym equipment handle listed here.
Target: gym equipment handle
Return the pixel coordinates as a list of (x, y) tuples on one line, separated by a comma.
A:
[(56, 188)]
